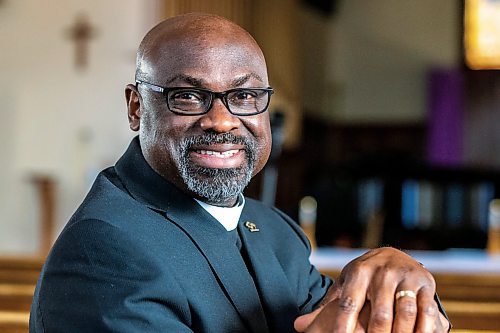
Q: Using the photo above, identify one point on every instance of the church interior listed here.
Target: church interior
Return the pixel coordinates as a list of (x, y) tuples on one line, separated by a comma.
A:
[(385, 118)]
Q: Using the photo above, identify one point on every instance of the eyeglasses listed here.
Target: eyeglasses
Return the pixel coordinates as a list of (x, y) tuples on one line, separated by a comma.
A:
[(195, 101)]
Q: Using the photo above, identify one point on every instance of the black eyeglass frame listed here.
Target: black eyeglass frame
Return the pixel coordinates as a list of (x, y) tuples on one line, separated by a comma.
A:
[(213, 95)]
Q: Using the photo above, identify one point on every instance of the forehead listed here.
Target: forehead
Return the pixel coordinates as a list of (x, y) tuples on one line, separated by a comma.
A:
[(211, 58)]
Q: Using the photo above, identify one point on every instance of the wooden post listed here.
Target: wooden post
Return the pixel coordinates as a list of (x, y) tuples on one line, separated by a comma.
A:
[(45, 187)]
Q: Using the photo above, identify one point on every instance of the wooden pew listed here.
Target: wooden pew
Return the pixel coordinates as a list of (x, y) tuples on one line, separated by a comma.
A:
[(470, 287), (471, 300), (16, 297), (473, 331), (474, 315), (18, 278), (20, 270), (14, 322)]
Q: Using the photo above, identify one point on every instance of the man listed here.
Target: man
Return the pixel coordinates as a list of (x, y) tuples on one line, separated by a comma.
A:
[(165, 241)]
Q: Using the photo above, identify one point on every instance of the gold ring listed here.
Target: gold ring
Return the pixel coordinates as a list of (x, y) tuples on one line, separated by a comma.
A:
[(404, 293)]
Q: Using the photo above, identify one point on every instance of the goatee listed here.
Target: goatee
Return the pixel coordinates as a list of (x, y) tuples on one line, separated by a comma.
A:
[(216, 186)]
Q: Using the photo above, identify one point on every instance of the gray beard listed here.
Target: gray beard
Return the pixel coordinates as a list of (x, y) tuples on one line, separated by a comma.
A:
[(217, 186)]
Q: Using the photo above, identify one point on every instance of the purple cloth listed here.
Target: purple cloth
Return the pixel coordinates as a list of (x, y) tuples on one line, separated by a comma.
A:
[(445, 117)]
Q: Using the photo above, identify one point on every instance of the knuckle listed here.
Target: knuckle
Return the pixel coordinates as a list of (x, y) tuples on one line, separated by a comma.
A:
[(408, 309), (358, 266), (388, 273), (430, 310), (347, 305), (428, 279), (381, 317)]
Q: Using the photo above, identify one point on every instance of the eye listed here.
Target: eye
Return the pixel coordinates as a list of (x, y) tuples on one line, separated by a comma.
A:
[(187, 100), (186, 96), (243, 95)]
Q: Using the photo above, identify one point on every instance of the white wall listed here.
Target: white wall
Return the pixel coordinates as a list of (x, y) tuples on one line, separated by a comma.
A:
[(57, 120), (374, 57), (366, 64)]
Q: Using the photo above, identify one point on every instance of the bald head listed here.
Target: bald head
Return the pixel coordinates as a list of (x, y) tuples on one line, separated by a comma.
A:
[(210, 155), (186, 39)]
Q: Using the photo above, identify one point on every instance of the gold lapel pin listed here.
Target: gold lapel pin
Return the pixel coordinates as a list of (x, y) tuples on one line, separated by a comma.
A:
[(251, 226)]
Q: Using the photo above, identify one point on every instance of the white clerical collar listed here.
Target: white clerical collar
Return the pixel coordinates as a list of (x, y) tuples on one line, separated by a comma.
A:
[(227, 216)]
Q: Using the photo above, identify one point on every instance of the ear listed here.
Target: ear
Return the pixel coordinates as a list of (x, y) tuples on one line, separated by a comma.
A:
[(134, 106)]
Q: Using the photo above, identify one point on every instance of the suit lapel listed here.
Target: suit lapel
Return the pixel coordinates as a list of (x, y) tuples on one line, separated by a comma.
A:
[(224, 258), (271, 280), (207, 234)]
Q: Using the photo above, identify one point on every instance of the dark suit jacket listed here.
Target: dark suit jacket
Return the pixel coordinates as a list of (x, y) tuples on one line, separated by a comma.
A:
[(141, 256)]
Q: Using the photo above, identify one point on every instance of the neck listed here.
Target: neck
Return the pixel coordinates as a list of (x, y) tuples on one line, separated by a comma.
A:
[(227, 204)]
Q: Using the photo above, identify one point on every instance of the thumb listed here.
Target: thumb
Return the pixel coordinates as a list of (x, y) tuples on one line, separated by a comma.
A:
[(301, 323)]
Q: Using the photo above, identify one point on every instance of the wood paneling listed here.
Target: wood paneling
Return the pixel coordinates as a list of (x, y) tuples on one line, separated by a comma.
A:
[(239, 11)]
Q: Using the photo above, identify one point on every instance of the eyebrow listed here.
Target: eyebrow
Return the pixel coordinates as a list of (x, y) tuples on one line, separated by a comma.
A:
[(241, 80), (196, 82)]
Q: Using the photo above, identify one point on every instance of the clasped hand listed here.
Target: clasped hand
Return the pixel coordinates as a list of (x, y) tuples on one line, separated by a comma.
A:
[(384, 290)]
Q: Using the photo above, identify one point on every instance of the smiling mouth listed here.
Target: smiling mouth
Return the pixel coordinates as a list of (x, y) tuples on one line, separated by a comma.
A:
[(217, 151), (218, 154), (218, 158)]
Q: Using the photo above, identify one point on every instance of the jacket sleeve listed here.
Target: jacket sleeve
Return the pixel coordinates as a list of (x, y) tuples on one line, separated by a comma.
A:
[(97, 280), (317, 284)]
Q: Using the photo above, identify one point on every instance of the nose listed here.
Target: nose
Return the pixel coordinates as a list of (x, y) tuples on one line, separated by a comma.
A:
[(219, 119)]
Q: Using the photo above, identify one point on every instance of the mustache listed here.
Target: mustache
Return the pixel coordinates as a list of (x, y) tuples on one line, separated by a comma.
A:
[(215, 138)]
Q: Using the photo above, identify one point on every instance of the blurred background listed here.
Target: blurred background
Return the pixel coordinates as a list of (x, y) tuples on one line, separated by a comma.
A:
[(386, 130), (379, 113)]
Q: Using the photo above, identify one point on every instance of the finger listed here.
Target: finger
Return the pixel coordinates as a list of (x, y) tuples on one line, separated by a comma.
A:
[(381, 295), (351, 301), (364, 316), (326, 320), (405, 308), (323, 322), (303, 322), (339, 308), (443, 325), (428, 313)]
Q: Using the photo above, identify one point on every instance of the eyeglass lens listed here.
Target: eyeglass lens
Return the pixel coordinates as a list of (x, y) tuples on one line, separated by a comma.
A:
[(239, 101)]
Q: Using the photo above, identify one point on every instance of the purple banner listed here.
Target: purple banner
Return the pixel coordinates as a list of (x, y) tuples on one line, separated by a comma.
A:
[(445, 117)]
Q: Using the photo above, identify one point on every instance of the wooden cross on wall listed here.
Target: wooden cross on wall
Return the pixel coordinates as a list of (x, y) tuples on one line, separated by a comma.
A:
[(81, 33)]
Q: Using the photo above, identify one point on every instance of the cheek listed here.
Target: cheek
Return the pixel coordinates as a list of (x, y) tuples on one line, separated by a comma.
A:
[(263, 154), (160, 126), (158, 138), (261, 130)]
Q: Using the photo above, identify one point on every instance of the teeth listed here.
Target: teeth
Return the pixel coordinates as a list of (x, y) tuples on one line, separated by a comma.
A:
[(224, 154)]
